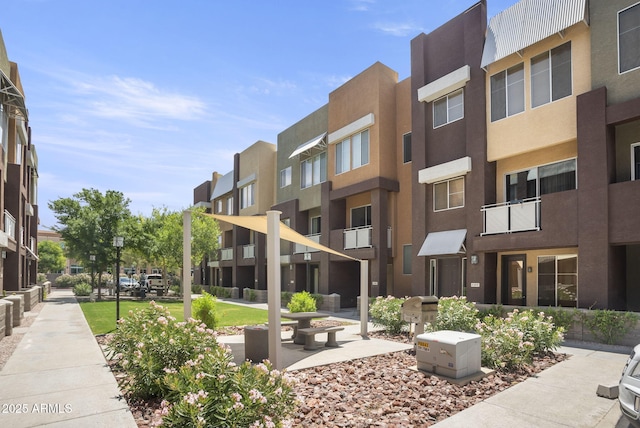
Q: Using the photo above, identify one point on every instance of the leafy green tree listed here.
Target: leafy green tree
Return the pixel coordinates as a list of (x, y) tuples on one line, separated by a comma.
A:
[(89, 221), (164, 232), (51, 257)]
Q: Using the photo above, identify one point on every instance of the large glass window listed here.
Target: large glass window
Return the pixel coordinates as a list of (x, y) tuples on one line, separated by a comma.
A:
[(448, 194), (230, 205), (448, 108), (629, 38), (219, 206), (507, 92), (635, 161), (247, 195), (551, 75), (406, 147), (558, 280), (352, 152), (315, 225), (541, 180), (361, 216), (313, 170)]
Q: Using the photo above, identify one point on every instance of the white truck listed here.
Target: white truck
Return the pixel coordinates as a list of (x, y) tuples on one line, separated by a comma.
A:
[(153, 282)]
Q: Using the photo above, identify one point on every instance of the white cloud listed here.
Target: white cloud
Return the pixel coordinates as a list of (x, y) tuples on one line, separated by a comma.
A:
[(400, 29), (361, 5)]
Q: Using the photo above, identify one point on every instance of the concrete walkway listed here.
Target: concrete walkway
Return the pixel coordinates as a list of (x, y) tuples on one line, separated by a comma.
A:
[(58, 376)]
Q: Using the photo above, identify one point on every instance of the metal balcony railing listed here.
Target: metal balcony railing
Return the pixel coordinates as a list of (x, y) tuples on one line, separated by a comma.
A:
[(226, 253), (9, 224), (508, 217), (249, 251), (299, 248)]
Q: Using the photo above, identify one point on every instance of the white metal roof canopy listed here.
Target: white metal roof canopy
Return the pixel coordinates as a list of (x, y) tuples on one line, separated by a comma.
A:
[(444, 243)]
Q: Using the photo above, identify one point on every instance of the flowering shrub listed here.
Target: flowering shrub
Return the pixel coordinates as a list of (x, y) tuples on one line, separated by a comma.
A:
[(150, 341), (455, 313), (204, 309), (302, 302), (82, 289), (512, 341), (387, 313), (184, 363), (209, 391)]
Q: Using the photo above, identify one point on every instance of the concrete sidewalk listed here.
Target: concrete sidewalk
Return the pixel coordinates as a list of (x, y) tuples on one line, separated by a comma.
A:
[(58, 376)]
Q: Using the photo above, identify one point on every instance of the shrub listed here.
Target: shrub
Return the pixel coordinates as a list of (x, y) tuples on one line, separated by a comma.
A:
[(204, 309), (196, 289), (41, 278), (537, 328), (285, 297), (562, 317), (494, 310), (386, 312), (64, 281), (212, 391), (149, 341), (503, 345), (82, 289), (455, 313), (302, 302), (607, 325), (221, 292)]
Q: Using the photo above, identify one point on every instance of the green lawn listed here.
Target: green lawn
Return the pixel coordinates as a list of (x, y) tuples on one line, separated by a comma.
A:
[(101, 316)]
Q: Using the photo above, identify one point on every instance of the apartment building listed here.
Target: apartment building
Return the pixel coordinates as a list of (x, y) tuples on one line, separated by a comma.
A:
[(18, 186), (248, 189)]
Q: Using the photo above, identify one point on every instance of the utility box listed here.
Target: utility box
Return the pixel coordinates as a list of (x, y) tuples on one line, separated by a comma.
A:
[(452, 354)]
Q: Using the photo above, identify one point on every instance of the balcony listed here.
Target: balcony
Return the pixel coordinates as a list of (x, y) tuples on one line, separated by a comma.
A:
[(357, 237), (511, 217), (249, 251), (9, 225), (226, 254), (298, 249)]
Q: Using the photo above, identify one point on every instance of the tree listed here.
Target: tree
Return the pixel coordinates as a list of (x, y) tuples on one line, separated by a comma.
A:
[(51, 257), (164, 230), (89, 221)]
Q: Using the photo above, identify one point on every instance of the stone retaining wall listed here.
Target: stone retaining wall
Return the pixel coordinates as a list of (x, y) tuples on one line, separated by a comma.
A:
[(6, 318), (32, 296), (18, 308)]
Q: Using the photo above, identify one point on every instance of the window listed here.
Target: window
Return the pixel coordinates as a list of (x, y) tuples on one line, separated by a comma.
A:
[(313, 170), (315, 226), (558, 281), (507, 92), (448, 108), (285, 177), (352, 152), (247, 196), (448, 194), (551, 75), (230, 205), (629, 38), (406, 259), (361, 216), (406, 147), (541, 180), (219, 206), (635, 161)]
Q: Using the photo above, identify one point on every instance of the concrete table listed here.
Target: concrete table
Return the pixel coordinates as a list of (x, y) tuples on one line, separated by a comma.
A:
[(304, 321)]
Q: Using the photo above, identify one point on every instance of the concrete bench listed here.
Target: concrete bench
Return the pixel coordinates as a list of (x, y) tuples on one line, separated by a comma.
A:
[(292, 324), (310, 336)]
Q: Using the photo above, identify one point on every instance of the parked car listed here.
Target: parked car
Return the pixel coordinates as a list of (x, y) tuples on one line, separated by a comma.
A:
[(153, 282), (629, 388), (128, 284)]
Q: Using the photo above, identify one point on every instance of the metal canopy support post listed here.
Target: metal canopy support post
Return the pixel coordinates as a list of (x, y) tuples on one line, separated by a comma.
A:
[(273, 288), (186, 263), (364, 297)]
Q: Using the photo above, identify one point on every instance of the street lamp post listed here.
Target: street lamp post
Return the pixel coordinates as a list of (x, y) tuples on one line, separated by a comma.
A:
[(118, 242), (307, 258), (92, 257)]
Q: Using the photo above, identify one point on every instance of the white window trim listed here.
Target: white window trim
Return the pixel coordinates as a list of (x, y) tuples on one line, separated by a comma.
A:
[(618, 39), (311, 224), (433, 276), (287, 174), (349, 140), (556, 256), (449, 208), (633, 166), (355, 208), (449, 121), (524, 95), (403, 149), (551, 100), (410, 259)]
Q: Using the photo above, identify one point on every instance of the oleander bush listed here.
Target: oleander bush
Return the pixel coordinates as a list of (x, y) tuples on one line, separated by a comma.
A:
[(69, 281), (183, 363), (455, 313), (302, 302), (386, 312), (607, 326), (82, 289)]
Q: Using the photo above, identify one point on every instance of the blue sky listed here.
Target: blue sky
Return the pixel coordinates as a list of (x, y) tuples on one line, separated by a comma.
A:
[(149, 97)]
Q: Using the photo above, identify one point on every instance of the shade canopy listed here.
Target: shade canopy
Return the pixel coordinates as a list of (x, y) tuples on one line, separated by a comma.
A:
[(258, 223), (308, 145), (444, 243)]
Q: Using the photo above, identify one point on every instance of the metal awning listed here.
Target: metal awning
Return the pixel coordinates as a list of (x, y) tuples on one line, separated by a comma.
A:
[(13, 98), (223, 186), (444, 243), (309, 145), (31, 255), (528, 22)]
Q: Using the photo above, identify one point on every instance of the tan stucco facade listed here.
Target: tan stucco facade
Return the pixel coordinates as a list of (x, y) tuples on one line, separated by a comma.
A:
[(259, 159), (551, 123)]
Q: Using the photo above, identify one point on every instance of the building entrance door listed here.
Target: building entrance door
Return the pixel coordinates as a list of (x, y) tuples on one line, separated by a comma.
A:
[(514, 279)]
